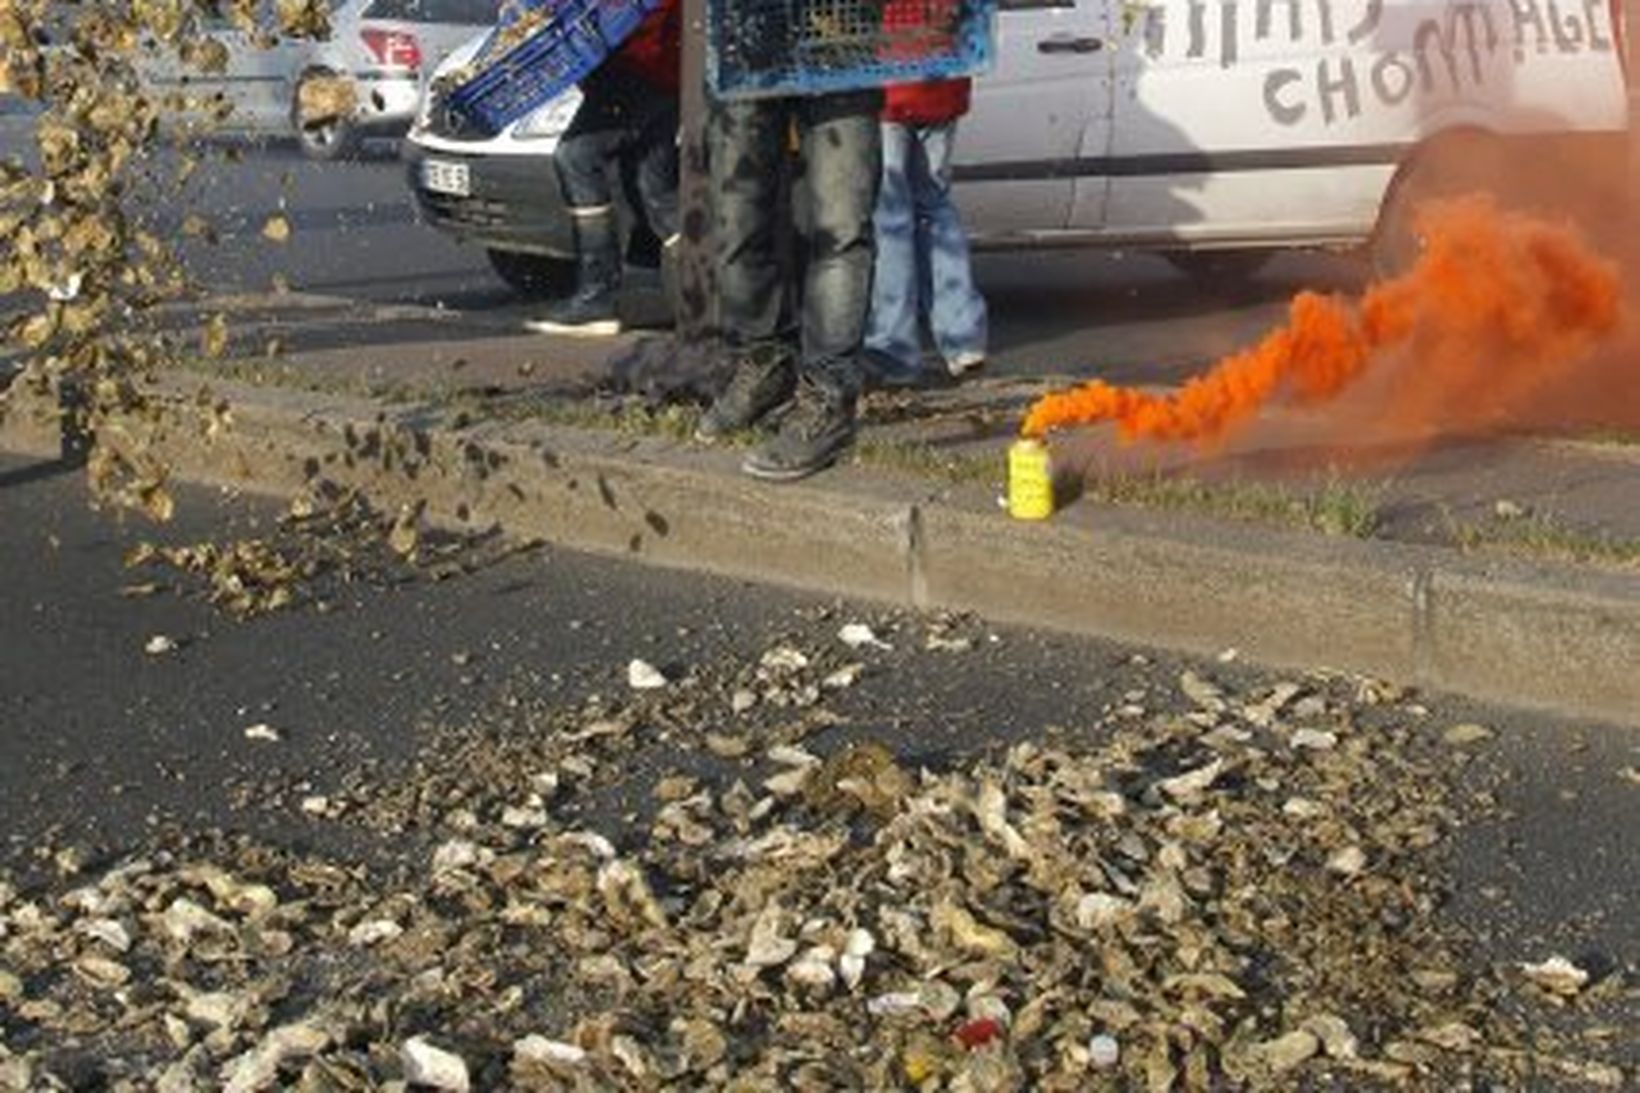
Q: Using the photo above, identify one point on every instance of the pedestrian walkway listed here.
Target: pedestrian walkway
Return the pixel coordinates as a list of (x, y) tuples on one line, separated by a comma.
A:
[(1552, 491)]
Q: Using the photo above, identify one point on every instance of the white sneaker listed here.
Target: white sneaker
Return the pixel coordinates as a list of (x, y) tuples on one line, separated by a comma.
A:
[(964, 363), (595, 328)]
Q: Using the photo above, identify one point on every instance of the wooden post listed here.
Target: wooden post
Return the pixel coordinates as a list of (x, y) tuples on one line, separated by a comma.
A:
[(686, 364), (696, 294)]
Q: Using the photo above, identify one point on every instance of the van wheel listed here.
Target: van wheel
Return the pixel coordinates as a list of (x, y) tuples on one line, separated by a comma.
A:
[(1451, 165), (534, 276), (1219, 268), (328, 141)]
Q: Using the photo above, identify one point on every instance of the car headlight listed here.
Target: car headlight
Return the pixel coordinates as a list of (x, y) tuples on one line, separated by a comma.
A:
[(550, 120), (426, 103)]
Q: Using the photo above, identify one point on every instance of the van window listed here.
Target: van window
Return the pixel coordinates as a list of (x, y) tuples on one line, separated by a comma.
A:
[(475, 12)]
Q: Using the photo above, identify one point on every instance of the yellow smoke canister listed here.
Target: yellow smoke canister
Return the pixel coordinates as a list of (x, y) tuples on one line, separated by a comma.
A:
[(1030, 481)]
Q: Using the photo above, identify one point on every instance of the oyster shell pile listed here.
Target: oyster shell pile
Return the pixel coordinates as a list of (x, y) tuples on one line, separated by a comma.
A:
[(705, 886)]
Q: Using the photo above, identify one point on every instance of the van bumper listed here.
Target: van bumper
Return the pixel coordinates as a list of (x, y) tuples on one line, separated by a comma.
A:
[(386, 104), (514, 202)]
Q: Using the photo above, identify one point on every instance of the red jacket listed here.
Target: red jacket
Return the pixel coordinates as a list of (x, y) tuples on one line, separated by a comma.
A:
[(931, 102), (654, 52)]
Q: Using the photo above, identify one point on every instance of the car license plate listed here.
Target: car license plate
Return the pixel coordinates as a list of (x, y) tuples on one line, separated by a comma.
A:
[(441, 176)]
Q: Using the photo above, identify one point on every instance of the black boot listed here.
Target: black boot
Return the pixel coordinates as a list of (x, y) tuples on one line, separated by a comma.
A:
[(672, 280), (763, 380), (817, 431), (591, 312)]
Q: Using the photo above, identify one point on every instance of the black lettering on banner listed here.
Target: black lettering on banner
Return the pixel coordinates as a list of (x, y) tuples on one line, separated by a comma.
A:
[(1369, 21), (1468, 14), (1281, 111), (1445, 35), (1329, 90), (1492, 28), (1526, 14), (1593, 12), (1392, 79), (1324, 8), (1198, 29), (1227, 33), (1295, 19), (1567, 30)]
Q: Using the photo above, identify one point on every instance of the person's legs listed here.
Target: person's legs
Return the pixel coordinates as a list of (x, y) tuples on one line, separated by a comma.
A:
[(842, 164), (747, 155), (654, 152), (891, 341), (842, 167), (586, 166), (956, 310), (654, 149)]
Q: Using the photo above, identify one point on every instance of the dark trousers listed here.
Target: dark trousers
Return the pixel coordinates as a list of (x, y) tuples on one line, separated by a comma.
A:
[(624, 129), (835, 193)]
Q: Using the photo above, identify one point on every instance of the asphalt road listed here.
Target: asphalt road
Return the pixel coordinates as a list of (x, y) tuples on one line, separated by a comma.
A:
[(104, 746)]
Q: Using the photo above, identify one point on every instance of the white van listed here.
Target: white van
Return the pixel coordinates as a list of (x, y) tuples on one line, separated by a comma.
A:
[(1215, 130)]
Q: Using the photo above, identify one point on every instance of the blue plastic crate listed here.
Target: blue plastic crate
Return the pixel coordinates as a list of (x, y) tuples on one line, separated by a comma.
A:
[(514, 79), (763, 48)]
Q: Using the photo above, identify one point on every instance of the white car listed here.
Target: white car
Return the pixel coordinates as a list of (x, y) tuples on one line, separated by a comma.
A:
[(1214, 130), (380, 46)]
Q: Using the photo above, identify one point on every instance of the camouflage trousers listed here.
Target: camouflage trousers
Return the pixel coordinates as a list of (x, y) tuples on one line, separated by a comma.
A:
[(833, 192)]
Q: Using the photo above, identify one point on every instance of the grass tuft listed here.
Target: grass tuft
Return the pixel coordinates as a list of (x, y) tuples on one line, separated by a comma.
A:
[(1541, 535), (1339, 506)]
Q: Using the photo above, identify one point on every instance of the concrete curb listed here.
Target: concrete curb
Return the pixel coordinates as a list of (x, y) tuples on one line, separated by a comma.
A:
[(1552, 636)]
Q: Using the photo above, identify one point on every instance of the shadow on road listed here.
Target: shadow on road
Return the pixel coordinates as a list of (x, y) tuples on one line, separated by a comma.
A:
[(38, 472)]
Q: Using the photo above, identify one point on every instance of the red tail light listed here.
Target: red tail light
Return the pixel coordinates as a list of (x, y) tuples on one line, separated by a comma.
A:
[(394, 48)]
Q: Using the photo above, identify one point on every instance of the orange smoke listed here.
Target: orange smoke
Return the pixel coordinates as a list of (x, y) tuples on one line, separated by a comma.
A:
[(1498, 305)]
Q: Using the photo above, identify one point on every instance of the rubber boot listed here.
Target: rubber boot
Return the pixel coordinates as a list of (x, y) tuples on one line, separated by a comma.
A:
[(671, 279), (591, 311)]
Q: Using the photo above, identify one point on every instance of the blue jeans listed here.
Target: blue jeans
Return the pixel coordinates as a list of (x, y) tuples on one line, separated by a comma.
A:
[(836, 193), (922, 265), (624, 129)]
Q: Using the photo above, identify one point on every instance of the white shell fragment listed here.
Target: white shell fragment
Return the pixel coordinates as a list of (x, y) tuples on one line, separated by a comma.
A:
[(539, 1049), (1104, 1052), (1466, 733), (1314, 739), (373, 932), (1557, 975), (643, 676), (1190, 785), (768, 946), (1285, 1052), (258, 1068), (433, 1067), (857, 635), (1348, 862)]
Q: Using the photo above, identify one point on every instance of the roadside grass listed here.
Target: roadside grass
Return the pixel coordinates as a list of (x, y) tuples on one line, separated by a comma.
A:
[(1617, 438), (922, 460), (1544, 536), (1337, 506)]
